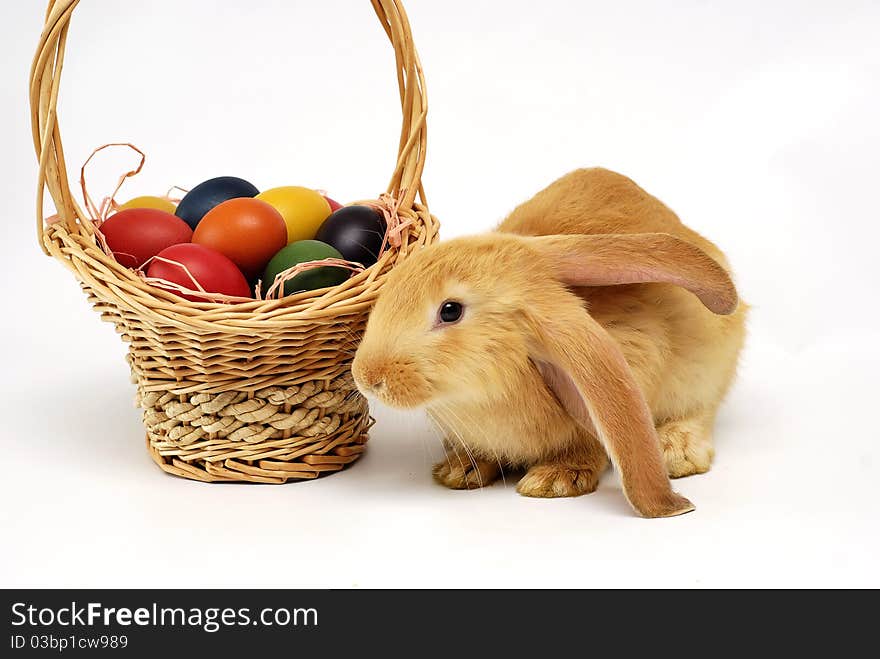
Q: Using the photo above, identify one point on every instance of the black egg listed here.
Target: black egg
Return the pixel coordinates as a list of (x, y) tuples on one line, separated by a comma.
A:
[(356, 231)]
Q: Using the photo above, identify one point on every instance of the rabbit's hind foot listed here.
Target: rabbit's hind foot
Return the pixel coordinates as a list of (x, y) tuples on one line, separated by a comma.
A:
[(687, 445)]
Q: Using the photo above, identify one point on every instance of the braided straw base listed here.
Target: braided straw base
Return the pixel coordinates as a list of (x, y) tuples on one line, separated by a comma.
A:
[(270, 436)]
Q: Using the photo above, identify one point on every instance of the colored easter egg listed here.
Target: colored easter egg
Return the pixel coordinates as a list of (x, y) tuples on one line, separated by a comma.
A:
[(356, 231), (303, 251), (135, 235), (334, 205), (303, 210), (215, 272), (159, 203), (202, 198), (247, 231)]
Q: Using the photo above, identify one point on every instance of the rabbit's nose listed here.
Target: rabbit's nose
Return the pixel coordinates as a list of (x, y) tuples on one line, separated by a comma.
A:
[(372, 387), (367, 379), (376, 385)]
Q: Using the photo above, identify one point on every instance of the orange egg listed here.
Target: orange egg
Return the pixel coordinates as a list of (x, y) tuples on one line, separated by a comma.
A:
[(249, 232)]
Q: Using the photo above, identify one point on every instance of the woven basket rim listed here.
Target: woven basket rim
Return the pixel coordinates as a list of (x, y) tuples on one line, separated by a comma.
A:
[(113, 282)]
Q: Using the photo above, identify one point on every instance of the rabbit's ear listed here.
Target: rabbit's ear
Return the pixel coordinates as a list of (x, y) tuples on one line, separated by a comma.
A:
[(583, 366), (607, 259)]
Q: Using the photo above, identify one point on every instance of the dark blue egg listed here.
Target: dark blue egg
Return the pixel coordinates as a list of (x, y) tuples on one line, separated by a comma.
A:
[(215, 191), (356, 231)]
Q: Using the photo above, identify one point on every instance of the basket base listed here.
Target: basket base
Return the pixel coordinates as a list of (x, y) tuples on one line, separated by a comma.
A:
[(271, 435), (260, 471)]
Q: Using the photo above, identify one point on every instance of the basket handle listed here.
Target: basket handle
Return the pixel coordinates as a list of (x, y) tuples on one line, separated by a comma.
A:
[(45, 79)]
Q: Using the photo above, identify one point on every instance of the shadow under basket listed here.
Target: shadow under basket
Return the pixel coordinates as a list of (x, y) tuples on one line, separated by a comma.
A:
[(257, 391)]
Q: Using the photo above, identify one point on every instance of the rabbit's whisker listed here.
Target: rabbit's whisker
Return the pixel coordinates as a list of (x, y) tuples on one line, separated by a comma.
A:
[(443, 435), (472, 424), (461, 441)]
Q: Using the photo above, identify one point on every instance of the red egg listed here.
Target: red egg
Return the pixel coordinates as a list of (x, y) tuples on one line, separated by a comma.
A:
[(215, 272), (334, 205), (247, 231), (135, 235)]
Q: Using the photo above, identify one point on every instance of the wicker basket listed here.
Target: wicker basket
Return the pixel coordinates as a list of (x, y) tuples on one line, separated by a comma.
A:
[(259, 391)]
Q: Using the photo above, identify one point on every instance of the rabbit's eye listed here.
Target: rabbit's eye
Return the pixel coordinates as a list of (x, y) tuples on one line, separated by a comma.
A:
[(450, 311)]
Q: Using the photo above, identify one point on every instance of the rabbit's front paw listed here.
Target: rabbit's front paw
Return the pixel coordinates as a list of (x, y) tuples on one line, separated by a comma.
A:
[(552, 480), (461, 472)]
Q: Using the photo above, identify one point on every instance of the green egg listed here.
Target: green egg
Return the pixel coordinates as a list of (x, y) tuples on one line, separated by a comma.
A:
[(310, 280)]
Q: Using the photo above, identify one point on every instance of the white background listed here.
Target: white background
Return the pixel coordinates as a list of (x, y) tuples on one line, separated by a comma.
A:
[(756, 121)]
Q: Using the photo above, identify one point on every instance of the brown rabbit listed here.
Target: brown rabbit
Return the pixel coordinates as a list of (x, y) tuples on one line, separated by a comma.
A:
[(592, 322)]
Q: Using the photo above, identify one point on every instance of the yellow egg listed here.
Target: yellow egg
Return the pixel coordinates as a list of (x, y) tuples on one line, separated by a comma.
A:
[(303, 210), (150, 202)]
